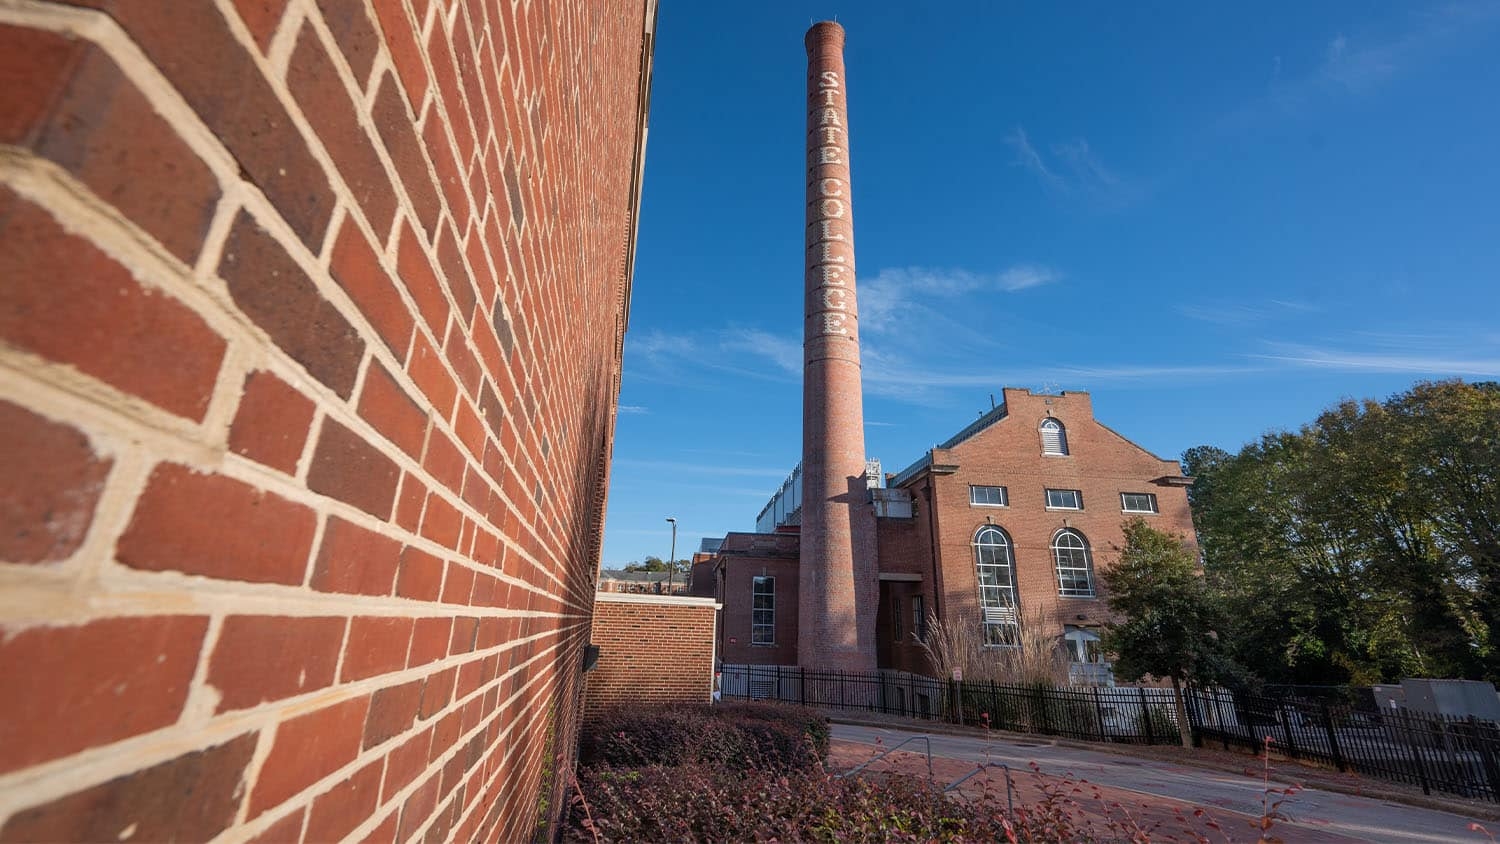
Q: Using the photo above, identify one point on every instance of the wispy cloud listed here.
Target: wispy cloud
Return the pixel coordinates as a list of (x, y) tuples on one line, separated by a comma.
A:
[(1075, 170), (896, 296), (782, 351), (1029, 158), (1360, 63), (1240, 313), (633, 409), (1414, 361)]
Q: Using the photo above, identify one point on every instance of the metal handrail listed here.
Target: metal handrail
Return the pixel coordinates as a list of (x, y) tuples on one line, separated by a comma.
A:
[(860, 767), (1010, 804)]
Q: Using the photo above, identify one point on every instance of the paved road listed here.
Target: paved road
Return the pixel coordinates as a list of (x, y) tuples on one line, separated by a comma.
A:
[(1359, 818)]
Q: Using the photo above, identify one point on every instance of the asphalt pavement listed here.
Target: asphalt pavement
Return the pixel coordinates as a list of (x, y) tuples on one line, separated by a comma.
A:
[(1360, 818)]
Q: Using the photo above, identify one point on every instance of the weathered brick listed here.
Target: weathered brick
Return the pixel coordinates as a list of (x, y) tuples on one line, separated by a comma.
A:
[(261, 658), (194, 47), (261, 18), (450, 258), (385, 404), (429, 640), (426, 369), (437, 693), (218, 527), (421, 576), (191, 798), (392, 712), (67, 301), (458, 585), (67, 101), (421, 281), (450, 179), (354, 560), (272, 422), (413, 497), (444, 461), (377, 645), (401, 40), (50, 482), (355, 33), (274, 292), (441, 521), (308, 748), (405, 762), (385, 831), (325, 103), (400, 138), (346, 467), (93, 684), (418, 808), (356, 268), (289, 828)]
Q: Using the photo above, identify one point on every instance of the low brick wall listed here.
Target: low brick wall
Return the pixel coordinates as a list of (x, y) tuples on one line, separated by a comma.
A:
[(652, 649)]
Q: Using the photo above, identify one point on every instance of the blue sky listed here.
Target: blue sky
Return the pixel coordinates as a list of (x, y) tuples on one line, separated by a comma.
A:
[(1216, 220)]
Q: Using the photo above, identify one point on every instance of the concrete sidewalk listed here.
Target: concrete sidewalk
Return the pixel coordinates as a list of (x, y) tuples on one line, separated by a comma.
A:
[(1316, 814)]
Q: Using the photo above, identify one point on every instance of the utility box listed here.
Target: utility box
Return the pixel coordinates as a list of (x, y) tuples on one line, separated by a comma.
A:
[(1454, 698)]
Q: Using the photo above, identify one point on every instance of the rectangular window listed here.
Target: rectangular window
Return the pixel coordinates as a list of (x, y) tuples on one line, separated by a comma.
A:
[(896, 618), (918, 618), (1064, 499), (763, 611), (988, 496), (1138, 502)]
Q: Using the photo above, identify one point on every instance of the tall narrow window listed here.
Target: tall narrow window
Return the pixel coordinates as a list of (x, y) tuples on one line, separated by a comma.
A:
[(1075, 568), (1054, 437), (996, 566), (918, 618), (763, 611), (896, 618)]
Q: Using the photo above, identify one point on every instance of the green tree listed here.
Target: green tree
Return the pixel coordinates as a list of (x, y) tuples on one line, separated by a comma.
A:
[(1364, 546), (657, 564), (1170, 623)]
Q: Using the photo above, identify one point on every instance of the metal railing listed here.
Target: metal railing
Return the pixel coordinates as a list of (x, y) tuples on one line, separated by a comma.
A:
[(1438, 753)]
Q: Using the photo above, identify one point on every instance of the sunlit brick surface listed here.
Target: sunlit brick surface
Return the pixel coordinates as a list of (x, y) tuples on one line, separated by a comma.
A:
[(310, 333)]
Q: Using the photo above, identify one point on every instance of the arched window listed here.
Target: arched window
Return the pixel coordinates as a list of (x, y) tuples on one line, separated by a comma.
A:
[(1075, 567), (1054, 437), (996, 567)]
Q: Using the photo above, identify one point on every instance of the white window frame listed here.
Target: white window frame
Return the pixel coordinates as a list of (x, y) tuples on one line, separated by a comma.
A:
[(1001, 492), (1125, 502), (763, 632), (1077, 499), (1054, 437), (995, 571), (1069, 559)]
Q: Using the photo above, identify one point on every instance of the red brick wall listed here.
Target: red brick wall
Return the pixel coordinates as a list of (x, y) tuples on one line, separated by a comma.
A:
[(1101, 464), (310, 332), (652, 649)]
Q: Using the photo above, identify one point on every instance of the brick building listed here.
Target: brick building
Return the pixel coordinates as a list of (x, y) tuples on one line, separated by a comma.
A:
[(1019, 510), (653, 650), (311, 318)]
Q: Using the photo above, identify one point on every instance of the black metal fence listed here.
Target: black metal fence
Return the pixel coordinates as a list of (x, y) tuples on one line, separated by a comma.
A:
[(1438, 753)]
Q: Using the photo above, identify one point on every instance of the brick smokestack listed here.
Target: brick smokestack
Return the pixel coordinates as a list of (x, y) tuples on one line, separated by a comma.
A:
[(838, 589)]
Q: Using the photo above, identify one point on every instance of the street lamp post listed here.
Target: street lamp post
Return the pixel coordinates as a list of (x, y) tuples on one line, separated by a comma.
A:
[(672, 557)]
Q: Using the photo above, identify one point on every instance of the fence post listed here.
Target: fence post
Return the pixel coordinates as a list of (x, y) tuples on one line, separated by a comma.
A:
[(1219, 715), (1099, 713), (1286, 729), (802, 684), (1333, 737), (1146, 716), (842, 681), (1484, 746), (1416, 752)]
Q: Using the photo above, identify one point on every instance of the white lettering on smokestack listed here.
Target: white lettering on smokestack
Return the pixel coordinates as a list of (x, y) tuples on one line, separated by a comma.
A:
[(837, 578)]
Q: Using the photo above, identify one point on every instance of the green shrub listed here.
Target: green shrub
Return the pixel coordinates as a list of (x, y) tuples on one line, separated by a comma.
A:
[(738, 735)]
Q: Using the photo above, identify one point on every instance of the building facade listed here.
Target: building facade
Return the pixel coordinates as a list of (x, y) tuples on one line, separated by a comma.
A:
[(1012, 518), (311, 318)]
